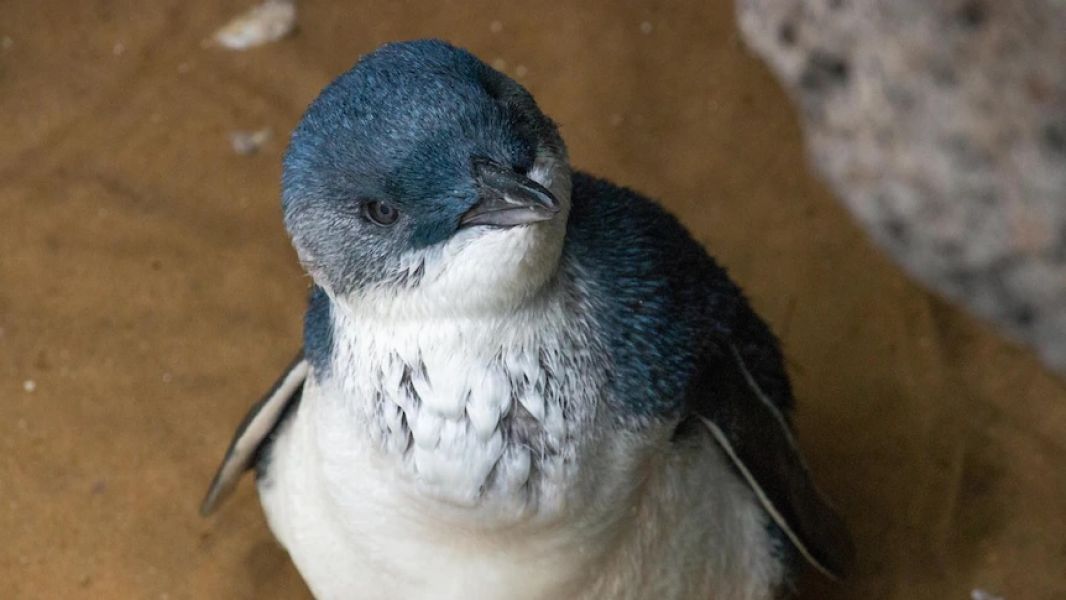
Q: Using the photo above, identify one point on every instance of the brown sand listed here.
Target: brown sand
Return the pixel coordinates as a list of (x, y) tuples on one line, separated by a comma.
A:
[(148, 291)]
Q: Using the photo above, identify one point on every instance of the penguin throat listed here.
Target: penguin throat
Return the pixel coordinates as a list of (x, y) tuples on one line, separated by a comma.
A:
[(471, 411)]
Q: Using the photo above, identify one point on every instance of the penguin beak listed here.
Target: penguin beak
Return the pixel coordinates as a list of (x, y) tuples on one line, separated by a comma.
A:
[(507, 198)]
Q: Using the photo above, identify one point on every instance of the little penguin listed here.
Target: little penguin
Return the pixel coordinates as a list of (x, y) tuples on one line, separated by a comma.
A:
[(517, 380)]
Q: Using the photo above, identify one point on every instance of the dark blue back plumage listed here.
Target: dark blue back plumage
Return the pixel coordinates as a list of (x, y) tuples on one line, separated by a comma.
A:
[(683, 342), (663, 307), (318, 330)]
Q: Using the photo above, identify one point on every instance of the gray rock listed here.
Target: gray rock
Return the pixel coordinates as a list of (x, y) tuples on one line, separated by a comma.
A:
[(941, 124)]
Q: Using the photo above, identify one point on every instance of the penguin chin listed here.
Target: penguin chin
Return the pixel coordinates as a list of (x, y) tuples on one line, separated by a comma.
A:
[(481, 272)]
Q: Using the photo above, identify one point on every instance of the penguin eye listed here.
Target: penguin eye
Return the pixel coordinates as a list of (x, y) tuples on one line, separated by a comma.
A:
[(380, 213)]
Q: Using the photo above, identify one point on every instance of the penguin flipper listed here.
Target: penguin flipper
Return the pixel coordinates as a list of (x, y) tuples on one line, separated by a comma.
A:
[(753, 432), (253, 431)]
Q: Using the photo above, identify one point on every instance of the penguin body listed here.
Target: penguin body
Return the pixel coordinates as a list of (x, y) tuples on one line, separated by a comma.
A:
[(517, 380)]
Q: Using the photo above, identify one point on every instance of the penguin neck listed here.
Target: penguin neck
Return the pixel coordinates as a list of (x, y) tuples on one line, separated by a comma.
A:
[(472, 411)]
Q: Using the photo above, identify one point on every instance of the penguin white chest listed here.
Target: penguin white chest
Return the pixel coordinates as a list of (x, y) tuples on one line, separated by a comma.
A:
[(466, 413), (435, 460), (692, 531), (463, 462)]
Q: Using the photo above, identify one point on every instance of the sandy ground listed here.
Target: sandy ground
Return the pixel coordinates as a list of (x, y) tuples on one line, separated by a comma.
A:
[(148, 293)]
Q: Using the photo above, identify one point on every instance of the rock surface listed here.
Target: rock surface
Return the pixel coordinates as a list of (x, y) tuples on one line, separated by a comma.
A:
[(941, 124)]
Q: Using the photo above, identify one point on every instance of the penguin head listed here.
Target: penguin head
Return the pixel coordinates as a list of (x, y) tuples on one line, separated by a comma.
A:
[(424, 180)]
